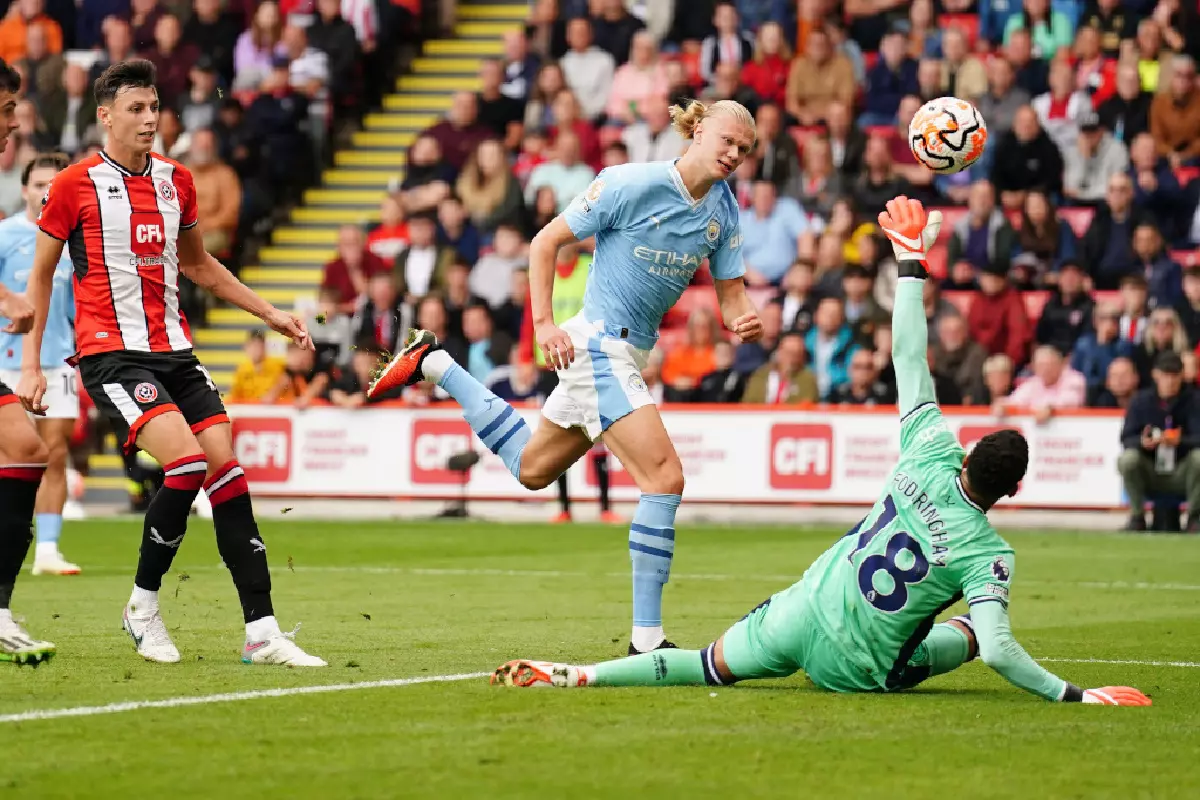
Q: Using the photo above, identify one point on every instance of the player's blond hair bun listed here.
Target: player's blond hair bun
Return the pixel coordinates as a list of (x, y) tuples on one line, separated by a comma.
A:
[(685, 120)]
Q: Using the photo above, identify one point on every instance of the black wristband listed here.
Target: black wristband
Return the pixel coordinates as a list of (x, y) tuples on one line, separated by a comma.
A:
[(1073, 694), (912, 269)]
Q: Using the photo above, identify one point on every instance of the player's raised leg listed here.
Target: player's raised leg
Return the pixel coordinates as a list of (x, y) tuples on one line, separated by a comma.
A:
[(534, 459), (640, 441), (52, 496), (22, 463), (244, 552)]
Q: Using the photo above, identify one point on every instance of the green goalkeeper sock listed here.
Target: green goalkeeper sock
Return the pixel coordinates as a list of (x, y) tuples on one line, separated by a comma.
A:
[(945, 648), (659, 668)]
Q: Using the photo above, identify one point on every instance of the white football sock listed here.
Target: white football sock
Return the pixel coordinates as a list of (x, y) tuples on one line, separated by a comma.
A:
[(143, 602), (46, 550), (261, 629), (646, 639), (5, 615), (435, 365)]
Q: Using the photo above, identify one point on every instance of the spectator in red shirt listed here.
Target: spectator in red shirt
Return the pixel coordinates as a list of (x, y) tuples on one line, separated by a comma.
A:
[(997, 319), (568, 116), (767, 73), (172, 58), (459, 133), (143, 19), (354, 266), (1094, 74)]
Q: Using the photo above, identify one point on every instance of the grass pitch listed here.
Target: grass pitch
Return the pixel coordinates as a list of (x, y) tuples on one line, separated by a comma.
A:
[(425, 599)]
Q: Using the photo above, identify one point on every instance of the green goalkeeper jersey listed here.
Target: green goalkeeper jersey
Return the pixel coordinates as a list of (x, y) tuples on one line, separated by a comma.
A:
[(924, 545)]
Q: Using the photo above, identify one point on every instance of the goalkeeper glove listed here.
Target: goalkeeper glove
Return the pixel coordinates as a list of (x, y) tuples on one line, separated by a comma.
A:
[(1115, 696), (912, 232)]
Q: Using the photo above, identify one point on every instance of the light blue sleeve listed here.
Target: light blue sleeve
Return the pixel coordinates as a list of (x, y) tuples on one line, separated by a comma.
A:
[(726, 263), (595, 209)]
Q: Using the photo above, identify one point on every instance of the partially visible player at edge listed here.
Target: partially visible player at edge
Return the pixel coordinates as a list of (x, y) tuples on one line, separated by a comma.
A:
[(654, 224), (18, 235), (862, 617), (129, 216), (23, 454)]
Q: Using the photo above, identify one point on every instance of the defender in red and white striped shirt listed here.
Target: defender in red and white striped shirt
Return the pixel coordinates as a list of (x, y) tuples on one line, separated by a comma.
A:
[(122, 229), (129, 219), (23, 454)]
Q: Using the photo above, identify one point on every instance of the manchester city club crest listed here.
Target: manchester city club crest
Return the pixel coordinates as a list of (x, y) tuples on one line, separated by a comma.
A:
[(713, 232), (593, 192), (636, 384)]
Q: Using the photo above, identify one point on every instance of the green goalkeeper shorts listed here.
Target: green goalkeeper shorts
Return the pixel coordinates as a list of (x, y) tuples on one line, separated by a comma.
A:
[(781, 636)]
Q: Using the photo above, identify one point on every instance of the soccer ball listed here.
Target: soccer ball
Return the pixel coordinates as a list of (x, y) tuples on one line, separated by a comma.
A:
[(947, 135)]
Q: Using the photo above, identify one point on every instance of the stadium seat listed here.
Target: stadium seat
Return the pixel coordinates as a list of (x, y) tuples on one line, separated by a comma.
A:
[(937, 260), (1078, 218), (670, 338), (1034, 303), (692, 298), (1186, 175), (960, 300), (967, 23), (1185, 258)]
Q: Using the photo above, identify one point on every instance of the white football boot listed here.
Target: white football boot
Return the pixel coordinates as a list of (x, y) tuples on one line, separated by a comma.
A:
[(150, 635), (280, 648), (18, 647), (48, 561), (538, 675)]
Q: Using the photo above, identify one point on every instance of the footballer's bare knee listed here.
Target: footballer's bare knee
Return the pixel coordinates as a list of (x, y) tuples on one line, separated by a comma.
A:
[(641, 443), (167, 438), (217, 443), (549, 453)]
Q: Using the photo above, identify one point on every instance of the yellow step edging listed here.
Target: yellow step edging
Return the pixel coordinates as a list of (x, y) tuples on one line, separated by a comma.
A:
[(286, 235), (335, 216), (465, 47), (389, 159), (420, 103)]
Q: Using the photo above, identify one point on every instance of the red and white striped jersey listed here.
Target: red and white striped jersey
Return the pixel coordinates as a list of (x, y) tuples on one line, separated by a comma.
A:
[(122, 231)]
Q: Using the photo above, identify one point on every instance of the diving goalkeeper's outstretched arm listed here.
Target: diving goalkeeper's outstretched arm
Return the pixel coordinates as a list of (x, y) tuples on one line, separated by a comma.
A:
[(912, 233)]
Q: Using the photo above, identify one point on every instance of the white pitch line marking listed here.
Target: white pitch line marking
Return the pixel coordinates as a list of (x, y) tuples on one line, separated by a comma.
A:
[(229, 697), (1183, 664)]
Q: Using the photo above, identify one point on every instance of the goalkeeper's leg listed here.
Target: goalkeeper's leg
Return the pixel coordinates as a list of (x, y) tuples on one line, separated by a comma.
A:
[(743, 653), (948, 646)]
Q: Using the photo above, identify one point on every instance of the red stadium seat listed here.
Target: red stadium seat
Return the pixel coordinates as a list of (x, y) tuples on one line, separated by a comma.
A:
[(870, 59), (760, 295), (960, 300), (1014, 218), (950, 217), (1185, 258), (1078, 218), (886, 131), (937, 261), (692, 298), (1034, 303), (1186, 175), (967, 23)]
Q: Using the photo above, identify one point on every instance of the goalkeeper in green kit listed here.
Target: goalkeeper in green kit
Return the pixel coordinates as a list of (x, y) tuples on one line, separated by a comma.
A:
[(862, 617)]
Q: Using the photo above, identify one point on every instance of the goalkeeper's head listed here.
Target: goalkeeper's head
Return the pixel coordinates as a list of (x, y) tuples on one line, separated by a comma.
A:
[(996, 466)]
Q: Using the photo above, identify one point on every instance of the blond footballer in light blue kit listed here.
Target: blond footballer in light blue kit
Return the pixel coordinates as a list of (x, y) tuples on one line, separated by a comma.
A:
[(655, 225)]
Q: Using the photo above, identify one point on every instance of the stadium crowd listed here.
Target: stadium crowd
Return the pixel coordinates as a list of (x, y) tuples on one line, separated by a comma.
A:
[(250, 91), (1059, 273)]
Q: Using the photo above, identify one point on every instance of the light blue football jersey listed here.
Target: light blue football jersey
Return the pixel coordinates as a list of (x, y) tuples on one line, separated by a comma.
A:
[(18, 236), (651, 237)]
